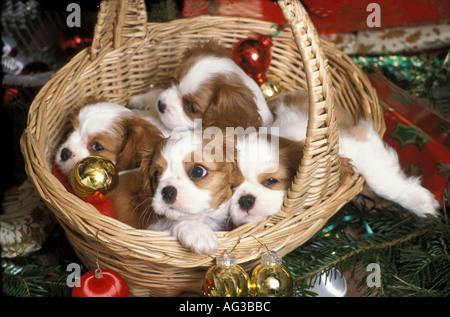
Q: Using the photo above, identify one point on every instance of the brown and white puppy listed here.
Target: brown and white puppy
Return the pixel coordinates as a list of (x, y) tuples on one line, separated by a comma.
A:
[(193, 178), (108, 130), (361, 150), (209, 86), (268, 164)]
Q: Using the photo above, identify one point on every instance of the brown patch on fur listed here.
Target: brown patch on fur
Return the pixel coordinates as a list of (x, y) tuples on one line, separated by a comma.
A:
[(220, 179), (223, 101), (151, 164), (300, 99), (134, 195), (223, 174), (358, 132), (297, 98), (191, 54), (232, 104), (131, 204), (126, 141), (110, 142), (139, 136), (290, 156), (346, 168)]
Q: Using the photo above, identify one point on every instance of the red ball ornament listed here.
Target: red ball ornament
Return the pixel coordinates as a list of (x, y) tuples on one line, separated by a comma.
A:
[(254, 56), (101, 283)]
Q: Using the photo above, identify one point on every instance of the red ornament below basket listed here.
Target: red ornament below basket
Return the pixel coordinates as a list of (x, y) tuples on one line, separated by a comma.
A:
[(101, 283)]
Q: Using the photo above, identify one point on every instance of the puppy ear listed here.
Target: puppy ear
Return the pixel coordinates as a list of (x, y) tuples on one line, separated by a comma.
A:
[(230, 150), (232, 105), (290, 154), (140, 137)]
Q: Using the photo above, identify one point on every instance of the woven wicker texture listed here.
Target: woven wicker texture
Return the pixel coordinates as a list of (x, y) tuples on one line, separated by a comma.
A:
[(128, 54)]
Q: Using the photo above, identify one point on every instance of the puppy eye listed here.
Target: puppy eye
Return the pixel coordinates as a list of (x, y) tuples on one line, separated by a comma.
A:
[(97, 147), (270, 181), (156, 177), (188, 106), (197, 172)]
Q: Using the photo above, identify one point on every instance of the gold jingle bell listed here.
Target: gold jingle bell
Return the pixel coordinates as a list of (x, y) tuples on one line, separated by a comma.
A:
[(272, 87), (270, 278), (225, 279), (94, 174)]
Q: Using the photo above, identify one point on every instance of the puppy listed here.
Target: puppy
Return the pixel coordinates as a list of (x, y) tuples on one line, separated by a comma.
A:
[(193, 179), (360, 147), (209, 86), (146, 106), (268, 164), (109, 130)]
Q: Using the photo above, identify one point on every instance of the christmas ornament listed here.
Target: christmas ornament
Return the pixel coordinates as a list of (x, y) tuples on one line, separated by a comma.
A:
[(92, 175), (225, 279), (271, 278), (101, 283), (74, 40), (100, 178), (253, 56), (272, 87), (331, 284)]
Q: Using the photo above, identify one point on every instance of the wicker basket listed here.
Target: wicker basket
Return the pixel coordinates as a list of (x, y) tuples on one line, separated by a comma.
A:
[(127, 55)]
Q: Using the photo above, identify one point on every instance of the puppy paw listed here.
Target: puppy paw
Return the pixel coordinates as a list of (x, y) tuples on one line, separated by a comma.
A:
[(200, 239), (422, 202), (137, 102)]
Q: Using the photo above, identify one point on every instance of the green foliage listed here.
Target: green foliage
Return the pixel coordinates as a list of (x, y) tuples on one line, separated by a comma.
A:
[(412, 252), (34, 281)]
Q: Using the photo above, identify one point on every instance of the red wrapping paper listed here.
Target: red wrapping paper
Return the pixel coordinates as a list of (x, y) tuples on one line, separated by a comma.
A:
[(419, 136), (351, 15)]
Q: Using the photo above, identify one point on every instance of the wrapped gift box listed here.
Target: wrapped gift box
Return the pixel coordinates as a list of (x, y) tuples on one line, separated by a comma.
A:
[(351, 15), (419, 136)]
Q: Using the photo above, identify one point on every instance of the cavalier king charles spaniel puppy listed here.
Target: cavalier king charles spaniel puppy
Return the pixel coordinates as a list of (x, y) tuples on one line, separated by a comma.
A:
[(108, 130), (361, 149), (208, 85), (193, 178)]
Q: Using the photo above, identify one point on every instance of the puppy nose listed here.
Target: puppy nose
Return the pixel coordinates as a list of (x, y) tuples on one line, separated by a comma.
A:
[(246, 202), (65, 154), (161, 106), (169, 194)]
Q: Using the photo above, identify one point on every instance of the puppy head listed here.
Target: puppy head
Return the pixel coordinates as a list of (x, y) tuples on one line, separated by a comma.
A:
[(266, 180), (109, 130), (208, 83), (192, 178)]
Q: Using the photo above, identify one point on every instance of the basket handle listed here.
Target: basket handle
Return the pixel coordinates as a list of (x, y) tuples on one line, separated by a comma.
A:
[(318, 175), (118, 21)]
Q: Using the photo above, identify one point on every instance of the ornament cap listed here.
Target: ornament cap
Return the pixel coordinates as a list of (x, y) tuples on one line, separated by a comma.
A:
[(271, 259), (265, 40), (226, 260)]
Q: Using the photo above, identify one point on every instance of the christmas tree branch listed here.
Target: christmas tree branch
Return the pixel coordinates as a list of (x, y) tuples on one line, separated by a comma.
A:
[(361, 250)]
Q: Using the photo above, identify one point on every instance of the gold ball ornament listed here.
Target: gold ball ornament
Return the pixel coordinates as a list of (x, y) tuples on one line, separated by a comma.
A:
[(272, 87), (271, 278), (94, 174), (225, 279)]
